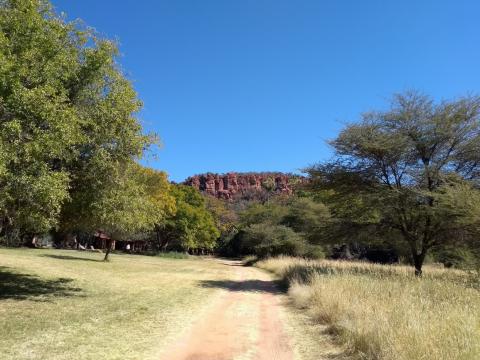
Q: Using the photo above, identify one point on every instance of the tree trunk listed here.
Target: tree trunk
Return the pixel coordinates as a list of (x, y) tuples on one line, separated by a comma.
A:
[(164, 246), (109, 248), (418, 260), (158, 244), (418, 267)]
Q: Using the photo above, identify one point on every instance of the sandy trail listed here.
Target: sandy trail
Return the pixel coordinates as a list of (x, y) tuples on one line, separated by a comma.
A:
[(244, 322)]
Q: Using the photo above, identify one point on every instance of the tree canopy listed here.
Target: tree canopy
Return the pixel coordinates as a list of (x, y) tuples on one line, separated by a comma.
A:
[(192, 227), (68, 129), (406, 169), (282, 225)]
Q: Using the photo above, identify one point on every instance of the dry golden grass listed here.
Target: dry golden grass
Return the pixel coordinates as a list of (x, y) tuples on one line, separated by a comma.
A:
[(384, 312), (70, 305)]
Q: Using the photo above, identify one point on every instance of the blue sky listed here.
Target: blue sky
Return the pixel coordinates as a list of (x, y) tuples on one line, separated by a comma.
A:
[(260, 85)]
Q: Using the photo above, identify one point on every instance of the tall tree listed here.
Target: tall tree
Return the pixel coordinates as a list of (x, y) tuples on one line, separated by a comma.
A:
[(37, 122), (134, 200), (402, 166), (68, 127)]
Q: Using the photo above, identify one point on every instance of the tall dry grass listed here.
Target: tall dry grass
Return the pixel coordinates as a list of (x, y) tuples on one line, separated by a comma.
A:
[(384, 312)]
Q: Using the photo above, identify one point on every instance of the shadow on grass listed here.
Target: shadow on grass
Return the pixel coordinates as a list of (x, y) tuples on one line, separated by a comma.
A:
[(66, 257), (19, 286), (262, 286)]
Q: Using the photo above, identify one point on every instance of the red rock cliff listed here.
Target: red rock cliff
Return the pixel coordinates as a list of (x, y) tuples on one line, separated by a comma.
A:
[(227, 186)]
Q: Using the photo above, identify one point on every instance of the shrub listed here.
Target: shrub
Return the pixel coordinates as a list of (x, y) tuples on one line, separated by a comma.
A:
[(266, 240), (314, 252), (457, 257)]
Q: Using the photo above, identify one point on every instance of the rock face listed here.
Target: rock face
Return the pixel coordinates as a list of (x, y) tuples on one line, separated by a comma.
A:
[(231, 185)]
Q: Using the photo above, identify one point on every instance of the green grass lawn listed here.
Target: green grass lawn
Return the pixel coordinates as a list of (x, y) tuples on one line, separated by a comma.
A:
[(61, 304)]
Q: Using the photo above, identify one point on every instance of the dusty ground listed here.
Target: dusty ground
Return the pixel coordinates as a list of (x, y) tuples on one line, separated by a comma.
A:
[(63, 305), (248, 320)]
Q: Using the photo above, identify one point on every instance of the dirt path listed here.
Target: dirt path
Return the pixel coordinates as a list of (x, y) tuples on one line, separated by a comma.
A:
[(244, 322)]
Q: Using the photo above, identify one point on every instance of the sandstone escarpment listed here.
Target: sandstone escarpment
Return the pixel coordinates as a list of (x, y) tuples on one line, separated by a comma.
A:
[(231, 185)]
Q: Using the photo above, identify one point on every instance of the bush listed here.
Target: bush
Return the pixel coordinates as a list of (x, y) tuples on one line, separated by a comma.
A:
[(266, 240), (12, 239), (314, 252), (457, 257)]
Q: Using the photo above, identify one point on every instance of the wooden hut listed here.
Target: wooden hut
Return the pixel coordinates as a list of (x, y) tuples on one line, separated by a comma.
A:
[(102, 241)]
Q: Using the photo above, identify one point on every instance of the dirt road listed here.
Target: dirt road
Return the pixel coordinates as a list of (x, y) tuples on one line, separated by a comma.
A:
[(246, 321)]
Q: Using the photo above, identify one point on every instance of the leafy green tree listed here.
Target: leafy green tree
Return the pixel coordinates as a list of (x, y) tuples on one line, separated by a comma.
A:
[(302, 214), (131, 203), (159, 192), (402, 166), (192, 227), (68, 129), (226, 218), (37, 123)]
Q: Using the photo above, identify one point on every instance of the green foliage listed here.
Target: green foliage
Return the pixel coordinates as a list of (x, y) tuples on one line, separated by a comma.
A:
[(306, 216), (70, 139), (271, 212), (125, 206), (267, 240), (460, 202), (37, 123), (158, 190), (283, 225), (460, 257), (269, 183), (313, 251), (302, 214), (192, 227), (226, 219), (404, 170), (68, 131)]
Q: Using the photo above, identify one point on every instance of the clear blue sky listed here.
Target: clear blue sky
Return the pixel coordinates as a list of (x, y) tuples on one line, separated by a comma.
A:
[(254, 85)]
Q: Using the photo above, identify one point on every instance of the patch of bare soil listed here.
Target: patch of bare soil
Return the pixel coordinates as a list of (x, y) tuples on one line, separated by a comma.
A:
[(244, 323)]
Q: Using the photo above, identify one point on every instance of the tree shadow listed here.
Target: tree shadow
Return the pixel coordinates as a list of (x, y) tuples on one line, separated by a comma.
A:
[(260, 286), (19, 286), (67, 257)]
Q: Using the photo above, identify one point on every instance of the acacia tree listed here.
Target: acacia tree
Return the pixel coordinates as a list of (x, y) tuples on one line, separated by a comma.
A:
[(402, 166)]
